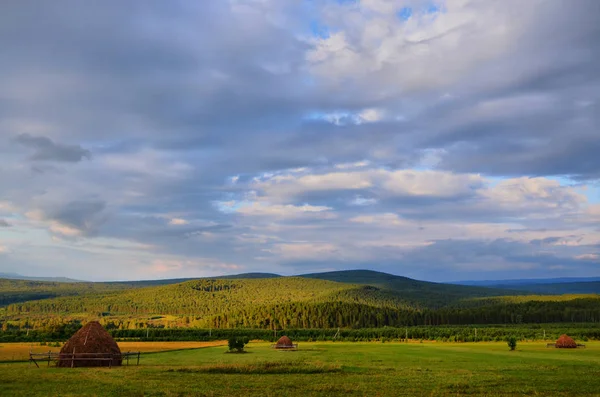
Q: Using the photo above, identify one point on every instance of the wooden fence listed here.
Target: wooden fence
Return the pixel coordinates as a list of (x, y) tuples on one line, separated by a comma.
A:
[(73, 357)]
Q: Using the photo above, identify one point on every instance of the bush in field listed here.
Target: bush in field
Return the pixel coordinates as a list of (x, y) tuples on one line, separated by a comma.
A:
[(512, 343), (237, 343)]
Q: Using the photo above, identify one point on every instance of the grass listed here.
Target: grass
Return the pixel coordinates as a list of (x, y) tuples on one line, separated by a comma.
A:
[(317, 369), (20, 351)]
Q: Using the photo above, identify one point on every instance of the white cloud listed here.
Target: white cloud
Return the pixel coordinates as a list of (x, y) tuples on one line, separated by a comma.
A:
[(536, 194), (284, 211), (183, 266), (390, 183), (60, 229), (357, 164), (387, 219), (306, 251), (589, 257), (431, 183), (358, 200), (370, 115)]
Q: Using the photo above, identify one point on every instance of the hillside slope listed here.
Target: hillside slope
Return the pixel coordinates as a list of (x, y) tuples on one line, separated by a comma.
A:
[(302, 302), (215, 295), (418, 293), (198, 297), (583, 287), (13, 290)]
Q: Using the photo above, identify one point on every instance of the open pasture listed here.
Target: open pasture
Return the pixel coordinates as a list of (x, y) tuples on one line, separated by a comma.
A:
[(352, 369), (20, 351)]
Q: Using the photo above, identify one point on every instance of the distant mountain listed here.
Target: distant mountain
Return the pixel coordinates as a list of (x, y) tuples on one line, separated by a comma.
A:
[(246, 276), (589, 287), (526, 281), (549, 286), (168, 281), (15, 276), (415, 291)]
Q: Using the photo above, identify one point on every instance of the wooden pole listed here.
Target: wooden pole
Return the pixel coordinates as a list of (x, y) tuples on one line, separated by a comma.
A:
[(138, 361), (32, 359), (128, 359), (48, 357), (72, 358)]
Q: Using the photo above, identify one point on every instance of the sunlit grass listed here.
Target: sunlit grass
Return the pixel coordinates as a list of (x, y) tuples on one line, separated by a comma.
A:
[(20, 351), (353, 369)]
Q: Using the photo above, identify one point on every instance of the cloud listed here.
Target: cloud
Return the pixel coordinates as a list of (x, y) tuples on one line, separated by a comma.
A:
[(281, 136), (4, 223), (73, 219), (47, 150), (390, 183), (283, 211)]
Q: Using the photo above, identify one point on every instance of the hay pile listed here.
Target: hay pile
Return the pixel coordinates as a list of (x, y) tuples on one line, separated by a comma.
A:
[(566, 342), (284, 343), (92, 338)]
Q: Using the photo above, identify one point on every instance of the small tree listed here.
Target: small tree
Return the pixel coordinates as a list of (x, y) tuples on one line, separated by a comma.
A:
[(512, 343), (237, 343)]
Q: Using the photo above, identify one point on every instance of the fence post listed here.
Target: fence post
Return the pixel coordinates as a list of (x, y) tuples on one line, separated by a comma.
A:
[(73, 358), (48, 357), (138, 361)]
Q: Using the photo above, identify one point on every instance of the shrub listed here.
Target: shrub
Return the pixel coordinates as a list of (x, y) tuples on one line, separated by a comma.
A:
[(512, 343), (237, 343)]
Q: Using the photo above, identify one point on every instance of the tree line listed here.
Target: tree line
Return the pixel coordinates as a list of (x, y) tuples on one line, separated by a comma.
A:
[(581, 332)]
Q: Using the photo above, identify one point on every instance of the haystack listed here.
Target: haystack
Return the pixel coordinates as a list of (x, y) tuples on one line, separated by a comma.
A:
[(284, 343), (566, 342), (87, 345)]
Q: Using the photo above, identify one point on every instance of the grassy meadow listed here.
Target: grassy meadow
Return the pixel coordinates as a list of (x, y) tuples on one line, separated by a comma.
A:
[(20, 351), (352, 369)]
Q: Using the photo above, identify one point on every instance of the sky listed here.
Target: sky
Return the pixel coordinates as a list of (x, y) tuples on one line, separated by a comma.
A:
[(438, 140)]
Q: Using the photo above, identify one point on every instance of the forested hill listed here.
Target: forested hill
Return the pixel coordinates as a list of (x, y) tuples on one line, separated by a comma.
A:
[(14, 290), (418, 292), (581, 287), (414, 293), (363, 299), (204, 297), (216, 296)]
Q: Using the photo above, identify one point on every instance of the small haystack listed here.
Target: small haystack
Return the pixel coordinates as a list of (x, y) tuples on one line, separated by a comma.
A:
[(91, 346), (566, 342), (284, 343)]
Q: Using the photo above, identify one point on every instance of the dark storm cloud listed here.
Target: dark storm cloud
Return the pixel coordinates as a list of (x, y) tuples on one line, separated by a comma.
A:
[(47, 150)]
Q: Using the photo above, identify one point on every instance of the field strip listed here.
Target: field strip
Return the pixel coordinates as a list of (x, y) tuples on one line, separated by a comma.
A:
[(20, 351)]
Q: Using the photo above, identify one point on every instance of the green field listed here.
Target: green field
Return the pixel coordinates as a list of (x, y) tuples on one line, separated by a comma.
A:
[(351, 369)]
